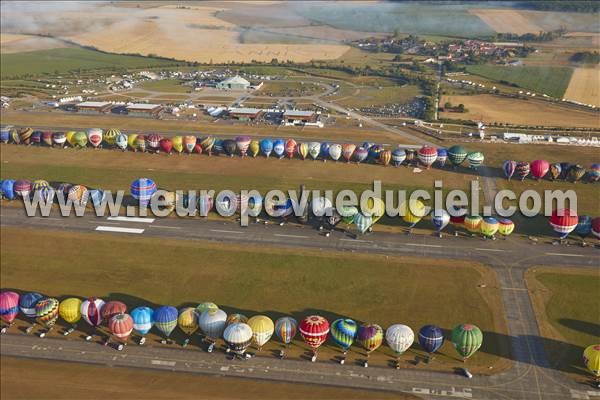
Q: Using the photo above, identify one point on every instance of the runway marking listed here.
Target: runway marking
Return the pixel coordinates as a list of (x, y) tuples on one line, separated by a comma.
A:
[(118, 229), (132, 219), (225, 231), (355, 240), (291, 236), (564, 254), (424, 245), (481, 249), (161, 362), (166, 227)]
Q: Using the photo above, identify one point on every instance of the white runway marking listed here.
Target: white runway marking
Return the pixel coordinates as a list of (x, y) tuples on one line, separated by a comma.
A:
[(131, 219), (118, 229), (161, 362), (291, 236), (564, 255), (224, 231), (166, 227), (423, 245), (480, 249)]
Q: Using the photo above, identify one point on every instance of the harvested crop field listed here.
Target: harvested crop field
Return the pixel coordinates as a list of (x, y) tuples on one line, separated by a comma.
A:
[(506, 20), (488, 109), (584, 86), (530, 21), (11, 43)]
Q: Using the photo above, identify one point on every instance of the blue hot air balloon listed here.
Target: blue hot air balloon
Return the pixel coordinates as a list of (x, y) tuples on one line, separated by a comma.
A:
[(4, 134), (431, 338), (584, 226), (142, 190), (266, 147), (398, 157), (97, 196), (143, 319), (27, 303), (374, 152), (279, 147), (325, 150), (440, 219), (218, 146), (361, 154), (8, 189), (442, 156), (165, 319), (367, 145)]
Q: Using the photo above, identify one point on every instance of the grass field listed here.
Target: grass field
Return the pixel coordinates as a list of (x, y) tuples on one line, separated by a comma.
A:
[(552, 81), (71, 59), (273, 281), (290, 89), (165, 85), (585, 86), (17, 374), (378, 96), (568, 313)]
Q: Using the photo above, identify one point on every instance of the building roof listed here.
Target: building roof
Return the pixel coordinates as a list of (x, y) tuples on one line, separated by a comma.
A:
[(147, 107), (94, 104), (244, 110), (299, 113), (235, 80)]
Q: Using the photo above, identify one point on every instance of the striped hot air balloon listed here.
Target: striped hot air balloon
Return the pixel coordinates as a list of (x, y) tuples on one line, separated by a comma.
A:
[(262, 329), (121, 326), (110, 136), (97, 196), (348, 151), (362, 222), (539, 168), (472, 223), (505, 227), (242, 143), (563, 221), (142, 190), (475, 159), (79, 195), (9, 306), (398, 157), (361, 154), (238, 337), (47, 138), (14, 136), (39, 183), (112, 308), (290, 148), (153, 142), (314, 330), (266, 147), (509, 167), (207, 144), (442, 156), (489, 226), (427, 156), (385, 157), (91, 311), (165, 319), (555, 171), (27, 303), (466, 339), (343, 332), (188, 320), (22, 187), (457, 154), (59, 138), (285, 329), (25, 135), (303, 150), (45, 193), (94, 136), (522, 169), (335, 151), (46, 312)]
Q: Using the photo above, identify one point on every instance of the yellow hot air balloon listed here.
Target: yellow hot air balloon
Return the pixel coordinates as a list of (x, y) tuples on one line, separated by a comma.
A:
[(473, 223), (70, 310), (489, 226), (177, 142), (591, 359), (188, 320), (254, 148), (131, 140), (373, 207), (262, 329), (170, 200), (70, 137), (412, 211)]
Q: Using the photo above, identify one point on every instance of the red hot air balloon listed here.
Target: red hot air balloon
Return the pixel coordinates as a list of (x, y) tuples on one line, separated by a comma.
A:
[(153, 142), (314, 330), (539, 168), (121, 326), (198, 148), (112, 308), (427, 156), (596, 227), (166, 145), (290, 148), (348, 151), (564, 221)]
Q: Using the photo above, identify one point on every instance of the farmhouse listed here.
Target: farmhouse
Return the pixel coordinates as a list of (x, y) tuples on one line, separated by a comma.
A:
[(245, 114), (145, 110), (234, 83), (93, 107)]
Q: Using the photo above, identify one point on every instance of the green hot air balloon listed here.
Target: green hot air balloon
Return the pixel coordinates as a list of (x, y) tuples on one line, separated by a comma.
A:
[(80, 139), (475, 159), (457, 154), (575, 173), (467, 339)]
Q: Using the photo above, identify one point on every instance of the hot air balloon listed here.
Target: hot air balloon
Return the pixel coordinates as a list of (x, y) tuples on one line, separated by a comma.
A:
[(254, 148), (9, 307), (25, 135), (362, 222), (427, 156), (165, 320), (398, 157), (166, 145), (189, 142), (212, 322), (505, 227), (489, 226), (94, 136), (142, 190), (110, 136), (303, 150), (457, 154), (113, 307), (153, 142), (63, 189), (229, 147), (131, 140), (385, 157), (539, 168), (242, 143), (47, 138), (207, 144), (335, 151), (70, 311), (509, 168), (236, 318), (97, 196), (594, 172), (314, 330), (591, 359), (238, 337), (91, 312), (59, 138), (348, 151), (361, 154), (27, 303), (36, 137), (410, 155), (472, 224), (79, 140), (466, 339), (475, 159), (143, 319), (367, 145), (314, 149), (343, 332), (46, 312), (442, 156), (374, 152), (563, 221), (555, 171), (412, 212), (399, 337), (370, 336), (266, 147), (584, 227), (39, 183), (177, 142), (22, 187), (79, 195), (8, 189), (197, 147), (285, 329), (431, 338), (205, 204), (596, 227), (70, 135), (121, 141), (522, 169), (575, 173), (140, 143), (5, 133), (290, 148), (440, 219), (14, 136), (207, 305), (321, 206), (218, 146), (121, 326), (187, 322), (262, 330), (324, 150)]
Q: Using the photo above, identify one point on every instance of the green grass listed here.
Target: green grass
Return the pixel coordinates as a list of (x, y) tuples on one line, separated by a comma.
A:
[(375, 96), (70, 59), (166, 85), (552, 81), (253, 280)]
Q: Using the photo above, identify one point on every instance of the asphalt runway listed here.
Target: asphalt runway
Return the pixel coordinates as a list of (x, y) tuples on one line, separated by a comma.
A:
[(529, 378)]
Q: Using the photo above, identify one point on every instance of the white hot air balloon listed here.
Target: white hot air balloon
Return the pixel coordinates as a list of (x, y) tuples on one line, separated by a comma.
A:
[(321, 206), (238, 337), (212, 322), (335, 151), (440, 219), (399, 337)]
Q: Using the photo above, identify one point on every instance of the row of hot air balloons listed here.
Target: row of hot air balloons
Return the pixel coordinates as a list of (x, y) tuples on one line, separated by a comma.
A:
[(245, 145), (238, 331), (565, 221), (542, 168)]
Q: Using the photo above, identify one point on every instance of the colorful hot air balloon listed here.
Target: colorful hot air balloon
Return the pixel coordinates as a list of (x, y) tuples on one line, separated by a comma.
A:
[(242, 143), (45, 193), (22, 187), (70, 310), (335, 151), (343, 332), (94, 136), (47, 138), (91, 311), (431, 338), (509, 168), (212, 322), (153, 142), (385, 157), (440, 219), (262, 329), (399, 337), (39, 183), (46, 311), (314, 330), (314, 149), (575, 173), (266, 147), (59, 138), (188, 320), (25, 135), (563, 221), (142, 190), (189, 142), (412, 211), (362, 222), (5, 134), (36, 137), (229, 147), (238, 337), (285, 329), (14, 136), (596, 227), (9, 306), (489, 226), (522, 169), (374, 152), (121, 326), (398, 157), (591, 359), (110, 136), (472, 223), (303, 150), (348, 150), (370, 336), (8, 189), (236, 318), (475, 159), (121, 141), (361, 154), (254, 148), (290, 148), (594, 172), (555, 171), (140, 143), (442, 156), (457, 154), (505, 227), (539, 168), (27, 303), (207, 144), (79, 195), (427, 156), (143, 319), (466, 339), (165, 320), (207, 305), (113, 307)]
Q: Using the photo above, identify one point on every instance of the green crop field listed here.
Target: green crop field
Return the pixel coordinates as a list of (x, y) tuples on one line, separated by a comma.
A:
[(70, 59), (552, 81), (377, 96)]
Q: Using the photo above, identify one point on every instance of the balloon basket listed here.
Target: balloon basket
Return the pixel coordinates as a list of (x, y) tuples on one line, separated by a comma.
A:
[(88, 338), (313, 358), (3, 330), (29, 329)]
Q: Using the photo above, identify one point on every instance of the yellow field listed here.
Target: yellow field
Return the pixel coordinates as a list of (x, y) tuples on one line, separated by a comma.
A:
[(584, 86), (488, 109), (12, 43), (593, 37), (509, 21)]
